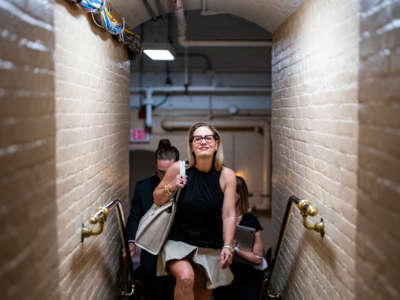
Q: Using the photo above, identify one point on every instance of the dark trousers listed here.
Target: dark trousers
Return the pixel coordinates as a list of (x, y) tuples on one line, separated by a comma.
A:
[(159, 287), (239, 289)]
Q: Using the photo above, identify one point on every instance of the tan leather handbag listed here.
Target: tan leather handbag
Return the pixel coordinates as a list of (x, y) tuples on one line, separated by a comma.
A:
[(156, 223)]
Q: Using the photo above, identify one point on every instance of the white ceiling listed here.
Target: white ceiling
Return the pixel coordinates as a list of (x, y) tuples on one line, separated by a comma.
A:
[(268, 14)]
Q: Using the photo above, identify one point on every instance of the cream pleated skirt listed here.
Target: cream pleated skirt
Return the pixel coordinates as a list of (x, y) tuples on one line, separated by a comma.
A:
[(207, 258)]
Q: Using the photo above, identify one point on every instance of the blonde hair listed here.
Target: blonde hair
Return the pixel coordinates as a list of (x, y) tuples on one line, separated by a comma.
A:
[(218, 155), (243, 201)]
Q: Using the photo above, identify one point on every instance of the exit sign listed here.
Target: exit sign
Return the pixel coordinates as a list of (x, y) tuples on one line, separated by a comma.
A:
[(139, 135)]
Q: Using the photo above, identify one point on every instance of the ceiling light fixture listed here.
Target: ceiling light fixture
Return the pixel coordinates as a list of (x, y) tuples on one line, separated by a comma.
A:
[(159, 51)]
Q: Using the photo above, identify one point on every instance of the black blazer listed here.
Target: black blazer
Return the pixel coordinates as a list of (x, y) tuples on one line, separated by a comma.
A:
[(141, 202)]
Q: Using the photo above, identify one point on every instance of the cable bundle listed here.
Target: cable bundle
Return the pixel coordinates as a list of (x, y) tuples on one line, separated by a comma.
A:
[(91, 6), (105, 20), (131, 40), (102, 17)]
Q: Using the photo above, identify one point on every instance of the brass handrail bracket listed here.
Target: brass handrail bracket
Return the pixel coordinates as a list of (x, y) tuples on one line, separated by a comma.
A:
[(99, 218), (307, 210), (130, 293)]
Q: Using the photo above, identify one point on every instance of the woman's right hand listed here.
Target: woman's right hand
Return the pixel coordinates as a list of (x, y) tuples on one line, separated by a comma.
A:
[(169, 185), (180, 181)]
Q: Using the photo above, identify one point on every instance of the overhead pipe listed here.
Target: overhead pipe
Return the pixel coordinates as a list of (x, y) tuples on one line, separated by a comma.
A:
[(150, 11), (265, 114), (149, 91), (203, 56), (184, 42), (186, 83), (218, 43), (148, 102), (173, 124)]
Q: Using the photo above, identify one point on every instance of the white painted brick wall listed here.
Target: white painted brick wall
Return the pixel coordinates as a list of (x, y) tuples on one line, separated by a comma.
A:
[(64, 115), (315, 146), (28, 239), (378, 240), (92, 162)]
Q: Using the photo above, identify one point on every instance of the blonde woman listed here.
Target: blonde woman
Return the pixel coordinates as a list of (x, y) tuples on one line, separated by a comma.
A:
[(199, 249)]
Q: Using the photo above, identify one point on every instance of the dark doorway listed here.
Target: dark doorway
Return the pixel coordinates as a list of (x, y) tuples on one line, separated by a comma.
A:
[(141, 165)]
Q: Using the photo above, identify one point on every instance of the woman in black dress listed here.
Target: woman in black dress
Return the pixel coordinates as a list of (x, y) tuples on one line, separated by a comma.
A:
[(199, 248), (248, 268)]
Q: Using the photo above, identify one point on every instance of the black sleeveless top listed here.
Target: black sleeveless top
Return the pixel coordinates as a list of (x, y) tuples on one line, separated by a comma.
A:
[(198, 219)]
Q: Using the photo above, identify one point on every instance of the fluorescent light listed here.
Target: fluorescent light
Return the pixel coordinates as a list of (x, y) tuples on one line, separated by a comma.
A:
[(158, 54), (159, 51)]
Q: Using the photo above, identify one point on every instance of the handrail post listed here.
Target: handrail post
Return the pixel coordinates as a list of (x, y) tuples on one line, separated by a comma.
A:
[(100, 217), (306, 210)]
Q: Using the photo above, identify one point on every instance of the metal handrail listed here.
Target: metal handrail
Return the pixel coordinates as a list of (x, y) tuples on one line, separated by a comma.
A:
[(99, 218), (307, 209)]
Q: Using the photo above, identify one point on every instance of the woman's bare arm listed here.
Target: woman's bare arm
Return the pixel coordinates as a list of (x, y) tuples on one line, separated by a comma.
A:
[(170, 183), (255, 256), (228, 185)]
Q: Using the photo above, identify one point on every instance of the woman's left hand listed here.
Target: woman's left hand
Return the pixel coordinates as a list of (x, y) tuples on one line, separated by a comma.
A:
[(226, 258)]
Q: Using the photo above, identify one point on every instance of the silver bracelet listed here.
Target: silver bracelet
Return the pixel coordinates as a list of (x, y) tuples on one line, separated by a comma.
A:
[(230, 248)]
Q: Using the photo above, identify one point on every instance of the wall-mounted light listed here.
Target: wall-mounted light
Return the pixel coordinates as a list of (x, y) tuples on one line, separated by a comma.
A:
[(159, 51)]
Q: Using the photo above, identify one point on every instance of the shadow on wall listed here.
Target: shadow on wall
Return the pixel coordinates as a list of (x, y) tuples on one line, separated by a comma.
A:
[(28, 244), (310, 239), (378, 205), (79, 260), (265, 218), (141, 165)]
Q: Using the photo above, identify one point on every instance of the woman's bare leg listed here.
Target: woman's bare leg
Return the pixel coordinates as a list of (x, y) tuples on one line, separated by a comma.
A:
[(183, 272), (201, 292)]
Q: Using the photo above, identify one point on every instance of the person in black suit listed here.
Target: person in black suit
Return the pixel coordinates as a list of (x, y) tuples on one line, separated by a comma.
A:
[(155, 288)]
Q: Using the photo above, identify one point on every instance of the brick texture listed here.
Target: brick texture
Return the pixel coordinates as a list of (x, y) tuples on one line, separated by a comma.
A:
[(28, 240), (378, 240), (92, 76), (315, 147), (64, 115)]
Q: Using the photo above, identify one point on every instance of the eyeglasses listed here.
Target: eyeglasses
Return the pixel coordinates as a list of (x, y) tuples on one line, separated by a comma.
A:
[(197, 139)]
